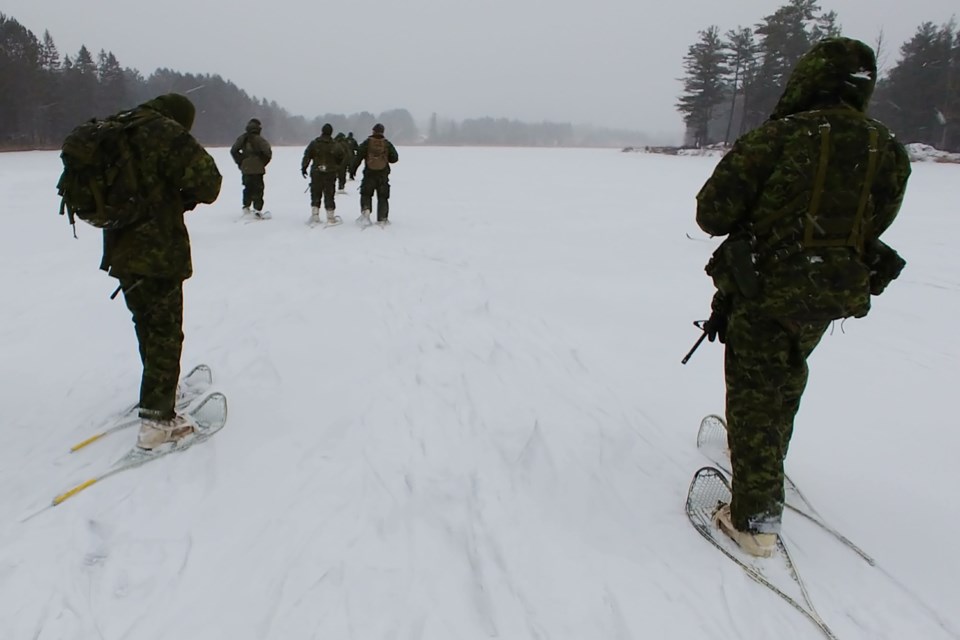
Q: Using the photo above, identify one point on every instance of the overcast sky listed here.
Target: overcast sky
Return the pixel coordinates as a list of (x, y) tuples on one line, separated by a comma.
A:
[(611, 63)]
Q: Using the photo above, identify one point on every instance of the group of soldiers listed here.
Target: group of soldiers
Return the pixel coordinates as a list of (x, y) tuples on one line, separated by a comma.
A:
[(327, 160), (802, 201)]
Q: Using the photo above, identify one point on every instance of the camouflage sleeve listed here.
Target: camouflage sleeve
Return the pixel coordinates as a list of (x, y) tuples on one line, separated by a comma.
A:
[(235, 150), (266, 153), (726, 199), (307, 155), (361, 155), (392, 155), (200, 179), (889, 186)]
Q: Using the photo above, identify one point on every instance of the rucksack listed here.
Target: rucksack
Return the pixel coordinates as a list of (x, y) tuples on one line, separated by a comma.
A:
[(810, 255), (377, 154), (100, 183), (324, 159)]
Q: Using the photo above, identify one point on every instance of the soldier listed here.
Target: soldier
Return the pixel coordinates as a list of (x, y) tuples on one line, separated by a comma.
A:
[(803, 200), (378, 153), (252, 154), (352, 143), (326, 156), (345, 165), (151, 259)]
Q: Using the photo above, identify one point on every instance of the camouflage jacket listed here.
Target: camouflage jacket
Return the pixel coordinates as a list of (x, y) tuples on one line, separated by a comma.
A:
[(347, 160), (174, 166), (325, 153), (361, 156), (354, 145), (251, 152), (811, 190)]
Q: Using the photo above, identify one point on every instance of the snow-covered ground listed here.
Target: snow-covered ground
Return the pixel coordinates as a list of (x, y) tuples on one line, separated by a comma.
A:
[(925, 153), (471, 424)]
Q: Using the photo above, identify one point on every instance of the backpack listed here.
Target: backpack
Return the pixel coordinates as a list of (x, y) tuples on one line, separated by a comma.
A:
[(324, 159), (100, 179), (808, 261), (377, 154)]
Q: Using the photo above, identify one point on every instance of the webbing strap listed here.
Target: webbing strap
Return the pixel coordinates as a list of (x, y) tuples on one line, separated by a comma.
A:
[(858, 233), (820, 179)]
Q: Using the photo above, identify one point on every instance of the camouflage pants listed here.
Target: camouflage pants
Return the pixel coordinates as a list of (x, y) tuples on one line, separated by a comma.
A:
[(322, 187), (375, 182), (766, 373), (157, 308), (253, 190)]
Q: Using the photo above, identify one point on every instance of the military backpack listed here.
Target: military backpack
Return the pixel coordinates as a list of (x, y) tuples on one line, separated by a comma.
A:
[(323, 155), (100, 183), (377, 154)]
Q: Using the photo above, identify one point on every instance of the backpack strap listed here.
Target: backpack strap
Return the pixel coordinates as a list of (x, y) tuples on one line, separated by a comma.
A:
[(859, 233), (814, 233), (821, 177)]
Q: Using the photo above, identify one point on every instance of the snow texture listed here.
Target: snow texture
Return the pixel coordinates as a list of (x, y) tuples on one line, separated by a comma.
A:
[(920, 152), (471, 424)]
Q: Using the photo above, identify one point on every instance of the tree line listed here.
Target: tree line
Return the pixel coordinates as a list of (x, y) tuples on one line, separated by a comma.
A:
[(733, 80), (44, 94)]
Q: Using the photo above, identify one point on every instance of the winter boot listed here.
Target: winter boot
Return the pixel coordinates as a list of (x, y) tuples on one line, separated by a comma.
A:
[(157, 433), (761, 545), (314, 215), (332, 217), (364, 219)]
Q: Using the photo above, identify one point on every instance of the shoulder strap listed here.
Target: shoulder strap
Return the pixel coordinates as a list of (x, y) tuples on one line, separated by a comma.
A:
[(818, 181)]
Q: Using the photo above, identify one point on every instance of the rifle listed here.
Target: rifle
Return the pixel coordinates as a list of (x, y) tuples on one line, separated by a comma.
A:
[(699, 324)]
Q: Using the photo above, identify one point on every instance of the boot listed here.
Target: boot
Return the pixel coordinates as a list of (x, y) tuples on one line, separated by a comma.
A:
[(157, 433), (760, 545), (332, 217), (364, 219), (314, 215)]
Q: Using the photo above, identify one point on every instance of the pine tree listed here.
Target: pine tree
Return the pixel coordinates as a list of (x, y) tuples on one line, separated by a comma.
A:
[(705, 66), (49, 56), (919, 99), (784, 36), (742, 59)]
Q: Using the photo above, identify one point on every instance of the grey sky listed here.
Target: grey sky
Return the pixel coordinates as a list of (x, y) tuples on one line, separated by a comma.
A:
[(608, 62)]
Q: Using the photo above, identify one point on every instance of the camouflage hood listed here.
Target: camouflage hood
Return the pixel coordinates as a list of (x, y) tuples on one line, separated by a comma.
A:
[(175, 106), (834, 71)]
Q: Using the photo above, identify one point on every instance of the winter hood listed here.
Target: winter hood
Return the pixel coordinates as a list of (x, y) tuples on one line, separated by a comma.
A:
[(175, 106), (834, 71)]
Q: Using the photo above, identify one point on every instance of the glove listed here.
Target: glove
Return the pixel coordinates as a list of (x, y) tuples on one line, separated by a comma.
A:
[(303, 172), (716, 326), (188, 200)]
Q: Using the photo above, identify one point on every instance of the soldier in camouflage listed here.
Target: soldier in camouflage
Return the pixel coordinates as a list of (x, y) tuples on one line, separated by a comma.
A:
[(378, 153), (345, 164), (326, 155), (354, 146), (252, 153), (803, 200), (151, 259)]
